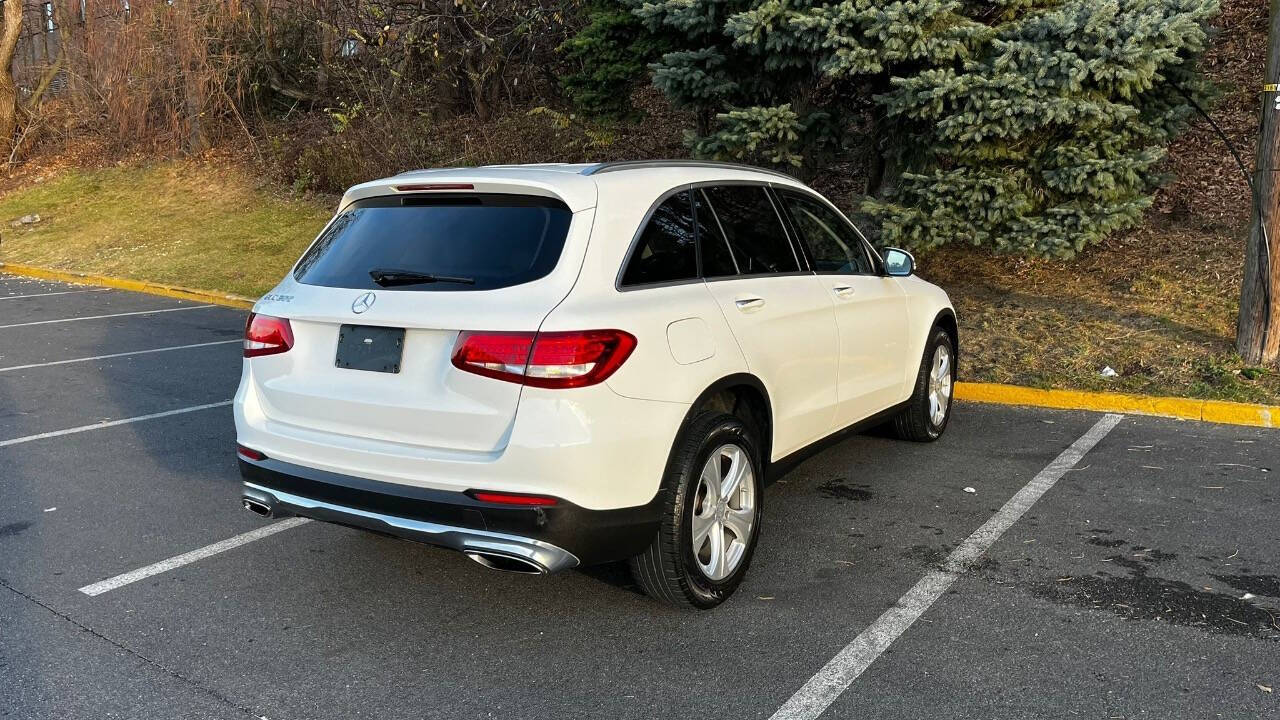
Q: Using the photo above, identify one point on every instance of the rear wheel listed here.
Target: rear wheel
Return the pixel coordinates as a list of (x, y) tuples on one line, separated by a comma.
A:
[(929, 408), (711, 517)]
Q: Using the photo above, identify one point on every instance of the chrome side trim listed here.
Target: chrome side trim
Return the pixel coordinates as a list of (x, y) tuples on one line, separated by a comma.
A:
[(545, 556)]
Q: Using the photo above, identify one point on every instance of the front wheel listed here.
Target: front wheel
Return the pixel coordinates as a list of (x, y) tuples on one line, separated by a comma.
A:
[(711, 517), (929, 409)]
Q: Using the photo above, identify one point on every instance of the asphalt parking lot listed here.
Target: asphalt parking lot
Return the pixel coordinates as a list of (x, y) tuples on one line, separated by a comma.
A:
[(1143, 581)]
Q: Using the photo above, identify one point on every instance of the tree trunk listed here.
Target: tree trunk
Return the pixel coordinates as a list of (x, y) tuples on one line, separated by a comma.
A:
[(194, 101), (1258, 331), (328, 44), (50, 73), (10, 29)]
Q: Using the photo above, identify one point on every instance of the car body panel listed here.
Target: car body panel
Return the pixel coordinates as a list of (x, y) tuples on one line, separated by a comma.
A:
[(874, 327), (785, 326)]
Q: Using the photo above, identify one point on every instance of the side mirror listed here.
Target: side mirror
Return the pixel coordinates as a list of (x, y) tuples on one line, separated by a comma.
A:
[(898, 263)]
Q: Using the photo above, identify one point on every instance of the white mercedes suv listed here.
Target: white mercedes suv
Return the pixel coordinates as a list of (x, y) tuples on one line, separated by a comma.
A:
[(546, 366)]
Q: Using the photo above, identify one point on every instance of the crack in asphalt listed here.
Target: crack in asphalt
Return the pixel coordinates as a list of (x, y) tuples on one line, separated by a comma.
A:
[(153, 663)]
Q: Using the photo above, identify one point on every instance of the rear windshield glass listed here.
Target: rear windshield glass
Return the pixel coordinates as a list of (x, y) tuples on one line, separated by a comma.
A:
[(473, 242)]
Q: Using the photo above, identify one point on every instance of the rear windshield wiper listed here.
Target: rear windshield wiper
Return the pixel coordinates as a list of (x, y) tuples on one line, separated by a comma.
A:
[(389, 277)]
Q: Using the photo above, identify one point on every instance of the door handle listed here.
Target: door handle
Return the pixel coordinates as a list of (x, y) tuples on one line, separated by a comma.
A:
[(843, 291), (749, 304)]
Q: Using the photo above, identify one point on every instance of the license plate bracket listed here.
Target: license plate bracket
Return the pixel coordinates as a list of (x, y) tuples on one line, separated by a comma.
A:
[(370, 348)]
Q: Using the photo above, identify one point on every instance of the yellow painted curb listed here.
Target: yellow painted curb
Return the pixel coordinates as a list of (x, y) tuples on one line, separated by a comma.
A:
[(171, 291), (1218, 411)]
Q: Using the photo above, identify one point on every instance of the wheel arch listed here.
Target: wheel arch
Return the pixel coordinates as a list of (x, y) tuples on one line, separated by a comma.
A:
[(740, 394), (946, 319)]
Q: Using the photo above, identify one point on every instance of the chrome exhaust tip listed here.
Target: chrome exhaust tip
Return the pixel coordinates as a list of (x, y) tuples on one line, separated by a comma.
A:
[(507, 563), (257, 507)]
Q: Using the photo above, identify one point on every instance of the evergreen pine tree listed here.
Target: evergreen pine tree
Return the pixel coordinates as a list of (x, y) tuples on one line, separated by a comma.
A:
[(613, 50), (1029, 126), (1046, 139)]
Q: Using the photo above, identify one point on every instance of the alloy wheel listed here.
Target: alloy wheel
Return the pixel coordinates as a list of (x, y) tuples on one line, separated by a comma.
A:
[(940, 385), (724, 512)]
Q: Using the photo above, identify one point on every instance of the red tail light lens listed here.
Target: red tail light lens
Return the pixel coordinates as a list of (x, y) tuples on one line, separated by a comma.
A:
[(548, 360), (512, 499), (497, 355), (250, 453), (574, 359), (266, 335)]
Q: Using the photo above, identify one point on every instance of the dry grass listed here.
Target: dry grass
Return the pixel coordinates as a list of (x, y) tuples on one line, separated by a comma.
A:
[(205, 225), (1157, 306)]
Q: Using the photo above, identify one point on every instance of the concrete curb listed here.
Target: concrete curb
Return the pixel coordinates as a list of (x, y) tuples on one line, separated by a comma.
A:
[(171, 291), (1216, 411)]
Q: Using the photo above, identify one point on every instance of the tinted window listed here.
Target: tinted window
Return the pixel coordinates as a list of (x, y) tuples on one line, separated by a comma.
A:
[(717, 261), (753, 229), (666, 249), (833, 245), (495, 240)]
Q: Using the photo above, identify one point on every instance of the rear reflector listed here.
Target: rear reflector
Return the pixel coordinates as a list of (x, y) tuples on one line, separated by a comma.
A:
[(548, 360), (249, 453), (512, 499), (266, 335), (433, 186)]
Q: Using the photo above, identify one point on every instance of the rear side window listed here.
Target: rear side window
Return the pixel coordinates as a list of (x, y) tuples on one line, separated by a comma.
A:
[(833, 245), (666, 251), (473, 242), (753, 230)]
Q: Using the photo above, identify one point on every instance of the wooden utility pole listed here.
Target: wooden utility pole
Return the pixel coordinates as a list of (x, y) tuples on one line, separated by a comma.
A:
[(1258, 330)]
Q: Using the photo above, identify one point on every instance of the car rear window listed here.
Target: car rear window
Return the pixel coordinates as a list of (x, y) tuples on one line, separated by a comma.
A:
[(491, 240)]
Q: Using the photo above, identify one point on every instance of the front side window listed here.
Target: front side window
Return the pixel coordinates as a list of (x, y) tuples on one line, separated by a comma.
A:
[(666, 250), (438, 243), (834, 246), (752, 229)]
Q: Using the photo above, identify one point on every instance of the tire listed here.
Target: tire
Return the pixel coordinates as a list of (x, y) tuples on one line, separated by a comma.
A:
[(673, 569), (919, 421)]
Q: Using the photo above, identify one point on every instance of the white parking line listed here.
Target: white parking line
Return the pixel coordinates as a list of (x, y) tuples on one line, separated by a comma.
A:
[(100, 317), (187, 558), (110, 423), (116, 355), (837, 675), (60, 292)]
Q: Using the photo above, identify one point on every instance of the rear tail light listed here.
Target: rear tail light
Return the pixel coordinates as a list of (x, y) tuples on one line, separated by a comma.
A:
[(546, 360), (266, 335), (512, 499), (250, 453)]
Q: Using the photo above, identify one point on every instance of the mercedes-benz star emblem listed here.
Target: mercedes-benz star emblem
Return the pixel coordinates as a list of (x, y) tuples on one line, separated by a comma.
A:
[(364, 302)]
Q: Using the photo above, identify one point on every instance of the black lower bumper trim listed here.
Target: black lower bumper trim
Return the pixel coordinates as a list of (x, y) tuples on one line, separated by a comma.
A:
[(593, 536)]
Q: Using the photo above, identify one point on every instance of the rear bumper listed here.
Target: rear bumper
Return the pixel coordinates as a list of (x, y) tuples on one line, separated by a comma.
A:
[(588, 446), (549, 539)]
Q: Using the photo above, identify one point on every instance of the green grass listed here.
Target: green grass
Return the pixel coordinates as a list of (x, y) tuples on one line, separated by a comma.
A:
[(210, 227)]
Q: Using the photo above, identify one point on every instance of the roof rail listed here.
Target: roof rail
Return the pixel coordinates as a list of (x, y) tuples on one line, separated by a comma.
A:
[(635, 164)]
